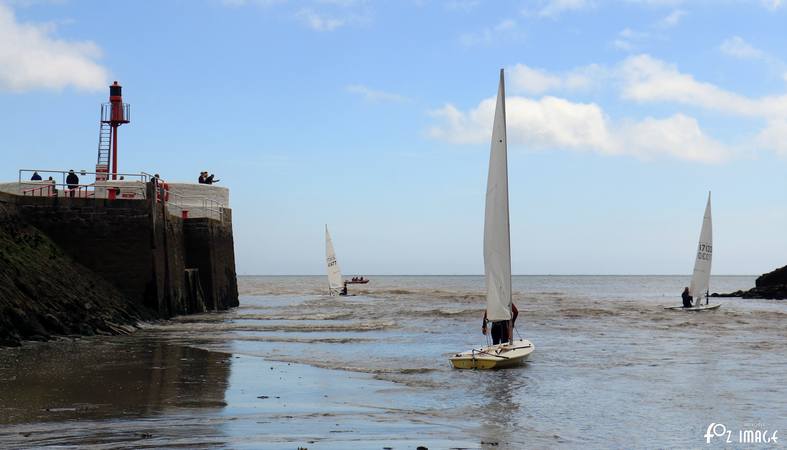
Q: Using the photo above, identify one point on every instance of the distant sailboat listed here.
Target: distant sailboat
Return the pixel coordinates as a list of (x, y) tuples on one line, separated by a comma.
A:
[(335, 282), (497, 255), (700, 278)]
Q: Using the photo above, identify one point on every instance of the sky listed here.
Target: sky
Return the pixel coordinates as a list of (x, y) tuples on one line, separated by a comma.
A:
[(374, 117)]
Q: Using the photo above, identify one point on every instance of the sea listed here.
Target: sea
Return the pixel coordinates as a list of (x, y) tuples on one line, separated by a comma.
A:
[(295, 368)]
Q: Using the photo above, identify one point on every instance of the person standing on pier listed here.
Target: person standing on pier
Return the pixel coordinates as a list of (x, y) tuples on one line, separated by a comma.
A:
[(72, 180)]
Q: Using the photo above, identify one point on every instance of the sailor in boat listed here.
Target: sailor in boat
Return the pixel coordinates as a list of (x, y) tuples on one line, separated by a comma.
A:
[(686, 298), (500, 328), (344, 289)]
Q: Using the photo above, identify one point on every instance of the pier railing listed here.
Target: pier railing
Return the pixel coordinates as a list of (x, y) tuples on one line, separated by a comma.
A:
[(53, 184), (195, 206), (127, 186)]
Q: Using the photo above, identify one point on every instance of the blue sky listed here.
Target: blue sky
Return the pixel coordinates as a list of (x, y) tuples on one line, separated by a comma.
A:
[(374, 117)]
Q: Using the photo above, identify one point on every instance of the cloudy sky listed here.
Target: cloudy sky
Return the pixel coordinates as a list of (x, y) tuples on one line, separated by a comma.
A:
[(374, 117)]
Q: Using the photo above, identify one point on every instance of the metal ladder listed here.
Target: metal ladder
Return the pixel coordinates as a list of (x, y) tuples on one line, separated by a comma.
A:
[(104, 144)]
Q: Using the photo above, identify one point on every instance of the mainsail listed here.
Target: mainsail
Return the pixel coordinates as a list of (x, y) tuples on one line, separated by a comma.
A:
[(700, 279), (334, 272), (497, 240)]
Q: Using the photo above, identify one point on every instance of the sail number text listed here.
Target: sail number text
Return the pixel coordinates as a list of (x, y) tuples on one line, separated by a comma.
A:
[(704, 251)]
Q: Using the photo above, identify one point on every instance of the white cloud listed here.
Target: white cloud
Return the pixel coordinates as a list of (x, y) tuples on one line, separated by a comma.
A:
[(461, 5), (622, 44), (342, 3), (561, 124), (678, 136), (627, 39), (672, 19), (554, 123), (374, 95), (263, 3), (657, 3), (739, 48), (553, 8), (646, 79), (318, 15), (774, 136), (505, 29), (533, 81), (32, 58), (536, 81), (773, 5), (317, 21), (28, 3)]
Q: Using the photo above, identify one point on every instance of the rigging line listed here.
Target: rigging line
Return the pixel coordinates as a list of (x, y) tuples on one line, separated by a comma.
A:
[(491, 354)]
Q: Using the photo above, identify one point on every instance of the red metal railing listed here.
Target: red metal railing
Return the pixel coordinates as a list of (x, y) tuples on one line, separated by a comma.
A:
[(49, 189)]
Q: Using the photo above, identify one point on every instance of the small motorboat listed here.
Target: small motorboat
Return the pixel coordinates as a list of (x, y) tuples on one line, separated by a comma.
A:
[(358, 280)]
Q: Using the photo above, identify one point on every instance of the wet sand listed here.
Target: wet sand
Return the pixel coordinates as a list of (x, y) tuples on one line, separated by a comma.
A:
[(137, 392)]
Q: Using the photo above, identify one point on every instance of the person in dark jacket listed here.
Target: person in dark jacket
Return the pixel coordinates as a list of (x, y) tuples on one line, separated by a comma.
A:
[(344, 289), (500, 328), (72, 180), (686, 298), (210, 179), (201, 179), (35, 177)]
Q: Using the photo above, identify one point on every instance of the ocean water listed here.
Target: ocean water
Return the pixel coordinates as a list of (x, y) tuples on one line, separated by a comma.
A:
[(294, 367)]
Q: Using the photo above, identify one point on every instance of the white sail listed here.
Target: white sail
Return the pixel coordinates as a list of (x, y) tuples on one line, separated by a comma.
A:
[(334, 272), (497, 240), (700, 279)]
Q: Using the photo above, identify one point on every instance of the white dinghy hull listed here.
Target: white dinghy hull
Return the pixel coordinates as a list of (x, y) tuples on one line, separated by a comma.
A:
[(494, 356), (695, 308)]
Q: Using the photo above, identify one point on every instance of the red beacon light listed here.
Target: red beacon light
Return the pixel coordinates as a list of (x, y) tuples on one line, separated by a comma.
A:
[(113, 114)]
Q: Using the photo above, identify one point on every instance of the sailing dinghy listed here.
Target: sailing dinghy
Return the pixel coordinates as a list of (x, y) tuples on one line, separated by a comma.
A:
[(700, 279), (335, 283), (497, 256)]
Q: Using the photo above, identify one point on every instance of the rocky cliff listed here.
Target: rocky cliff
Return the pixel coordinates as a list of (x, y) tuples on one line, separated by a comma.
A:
[(772, 285)]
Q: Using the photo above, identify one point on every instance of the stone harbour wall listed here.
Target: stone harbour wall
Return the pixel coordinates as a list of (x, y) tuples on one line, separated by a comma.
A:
[(159, 262)]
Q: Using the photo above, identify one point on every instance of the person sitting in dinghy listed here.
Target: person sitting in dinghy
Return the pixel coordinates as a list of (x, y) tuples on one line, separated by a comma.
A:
[(500, 328), (686, 298), (344, 289)]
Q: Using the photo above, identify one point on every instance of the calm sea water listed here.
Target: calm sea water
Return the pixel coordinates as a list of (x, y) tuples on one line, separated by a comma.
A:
[(293, 367)]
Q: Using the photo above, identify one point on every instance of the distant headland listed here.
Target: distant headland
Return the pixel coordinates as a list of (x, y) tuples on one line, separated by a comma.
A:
[(772, 285)]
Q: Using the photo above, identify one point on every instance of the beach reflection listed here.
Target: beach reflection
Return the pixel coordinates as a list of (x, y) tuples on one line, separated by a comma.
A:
[(90, 379), (501, 408)]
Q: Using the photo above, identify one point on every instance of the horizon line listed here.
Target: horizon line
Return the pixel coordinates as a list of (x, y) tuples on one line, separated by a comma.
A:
[(513, 275)]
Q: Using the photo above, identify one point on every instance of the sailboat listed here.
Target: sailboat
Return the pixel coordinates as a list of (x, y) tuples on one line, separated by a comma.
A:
[(700, 279), (497, 256), (335, 282)]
